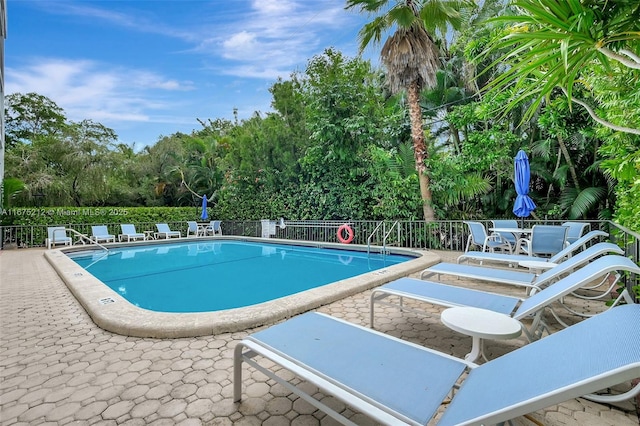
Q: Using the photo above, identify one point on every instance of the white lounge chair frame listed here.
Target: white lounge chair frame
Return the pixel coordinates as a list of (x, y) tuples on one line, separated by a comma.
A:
[(57, 235), (129, 233), (518, 308), (165, 232), (101, 234), (397, 382), (518, 278)]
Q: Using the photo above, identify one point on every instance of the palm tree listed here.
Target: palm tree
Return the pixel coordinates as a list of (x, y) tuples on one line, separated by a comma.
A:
[(411, 58)]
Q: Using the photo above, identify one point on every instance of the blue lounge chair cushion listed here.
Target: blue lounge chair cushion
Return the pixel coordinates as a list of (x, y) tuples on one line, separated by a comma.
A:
[(449, 295), (414, 387), (521, 382), (504, 276), (397, 378), (129, 231)]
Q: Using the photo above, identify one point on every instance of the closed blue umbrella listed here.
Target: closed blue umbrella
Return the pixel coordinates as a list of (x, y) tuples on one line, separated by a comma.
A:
[(524, 205), (204, 214)]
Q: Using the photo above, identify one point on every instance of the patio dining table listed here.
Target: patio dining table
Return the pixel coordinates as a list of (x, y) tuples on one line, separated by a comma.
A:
[(202, 228), (518, 233)]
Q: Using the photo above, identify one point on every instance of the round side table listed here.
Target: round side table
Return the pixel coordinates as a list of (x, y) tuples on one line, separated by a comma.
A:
[(480, 324)]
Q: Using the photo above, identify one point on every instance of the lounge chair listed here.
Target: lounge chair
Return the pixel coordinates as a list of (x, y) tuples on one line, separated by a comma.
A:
[(450, 296), (57, 235), (398, 382), (478, 237), (513, 277), (214, 228), (100, 234), (514, 259), (165, 232), (545, 241), (129, 233)]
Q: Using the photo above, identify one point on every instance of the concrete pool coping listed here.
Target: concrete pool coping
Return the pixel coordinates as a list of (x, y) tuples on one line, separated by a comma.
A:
[(112, 312)]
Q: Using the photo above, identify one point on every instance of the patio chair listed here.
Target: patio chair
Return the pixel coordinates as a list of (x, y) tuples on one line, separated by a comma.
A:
[(508, 236), (514, 259), (478, 237), (100, 234), (215, 227), (546, 240), (519, 278), (575, 230), (398, 382), (194, 229), (518, 308), (57, 235), (165, 232), (129, 233)]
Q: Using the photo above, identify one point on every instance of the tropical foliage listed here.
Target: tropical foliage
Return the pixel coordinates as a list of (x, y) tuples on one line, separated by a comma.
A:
[(347, 141)]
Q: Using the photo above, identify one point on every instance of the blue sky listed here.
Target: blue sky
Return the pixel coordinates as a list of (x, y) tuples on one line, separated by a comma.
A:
[(151, 68)]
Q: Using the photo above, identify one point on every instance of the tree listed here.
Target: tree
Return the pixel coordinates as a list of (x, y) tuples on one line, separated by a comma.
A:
[(589, 52), (32, 115), (556, 43), (411, 59)]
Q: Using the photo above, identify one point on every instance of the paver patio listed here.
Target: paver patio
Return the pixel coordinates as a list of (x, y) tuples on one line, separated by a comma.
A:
[(58, 368)]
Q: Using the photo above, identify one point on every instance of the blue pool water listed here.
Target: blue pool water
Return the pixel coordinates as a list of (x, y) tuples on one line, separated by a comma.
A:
[(202, 276)]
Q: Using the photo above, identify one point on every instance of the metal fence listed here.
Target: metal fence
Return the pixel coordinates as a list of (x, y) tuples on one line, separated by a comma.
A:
[(379, 235)]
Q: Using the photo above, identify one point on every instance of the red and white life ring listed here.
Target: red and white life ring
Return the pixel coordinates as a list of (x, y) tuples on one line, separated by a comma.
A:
[(340, 235)]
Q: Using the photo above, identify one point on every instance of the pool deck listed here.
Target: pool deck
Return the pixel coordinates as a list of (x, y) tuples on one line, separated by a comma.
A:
[(59, 368)]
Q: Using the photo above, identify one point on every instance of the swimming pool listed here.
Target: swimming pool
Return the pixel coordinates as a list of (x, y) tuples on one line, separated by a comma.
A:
[(204, 276), (111, 311)]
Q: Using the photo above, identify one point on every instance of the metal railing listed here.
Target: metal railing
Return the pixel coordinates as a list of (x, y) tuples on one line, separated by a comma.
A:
[(386, 235), (414, 234), (84, 239)]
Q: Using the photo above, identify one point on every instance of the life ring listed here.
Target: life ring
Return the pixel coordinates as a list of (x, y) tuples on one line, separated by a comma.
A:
[(341, 238)]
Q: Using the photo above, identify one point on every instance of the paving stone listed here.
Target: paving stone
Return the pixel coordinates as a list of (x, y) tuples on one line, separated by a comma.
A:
[(13, 412), (11, 396), (91, 410), (172, 408), (63, 411), (159, 391), (134, 392), (183, 391), (145, 408), (198, 408), (118, 409), (36, 412), (65, 370)]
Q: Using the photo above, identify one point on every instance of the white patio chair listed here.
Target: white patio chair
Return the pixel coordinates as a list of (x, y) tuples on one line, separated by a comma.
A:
[(478, 237)]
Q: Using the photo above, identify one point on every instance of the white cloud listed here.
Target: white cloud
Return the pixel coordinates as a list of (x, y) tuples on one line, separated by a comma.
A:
[(279, 35), (207, 53), (88, 90), (273, 7), (239, 46)]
